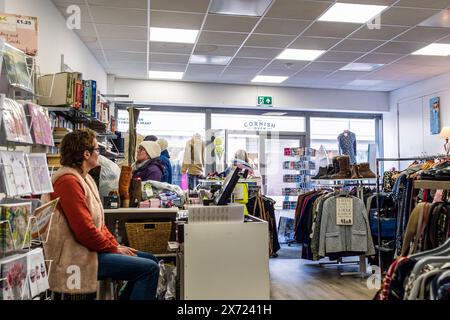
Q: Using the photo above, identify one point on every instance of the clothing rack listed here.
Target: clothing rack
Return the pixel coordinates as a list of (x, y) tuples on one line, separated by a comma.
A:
[(378, 161), (359, 184)]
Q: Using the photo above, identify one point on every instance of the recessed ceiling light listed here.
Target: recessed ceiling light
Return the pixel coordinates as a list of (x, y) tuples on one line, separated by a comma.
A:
[(434, 49), (361, 66), (352, 13), (202, 59), (365, 83), (173, 35), (300, 54), (269, 79), (253, 8), (165, 75)]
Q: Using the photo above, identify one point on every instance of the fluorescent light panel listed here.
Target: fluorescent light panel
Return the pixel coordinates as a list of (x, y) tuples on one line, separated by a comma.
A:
[(434, 49), (173, 35), (269, 79), (361, 66), (165, 75), (352, 13), (254, 8), (365, 83), (300, 54), (203, 59)]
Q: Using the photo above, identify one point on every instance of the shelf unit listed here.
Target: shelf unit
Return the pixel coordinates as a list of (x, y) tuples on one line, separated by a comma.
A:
[(432, 184), (302, 166)]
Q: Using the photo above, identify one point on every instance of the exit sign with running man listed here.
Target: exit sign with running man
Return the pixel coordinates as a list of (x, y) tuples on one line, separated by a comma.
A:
[(265, 101)]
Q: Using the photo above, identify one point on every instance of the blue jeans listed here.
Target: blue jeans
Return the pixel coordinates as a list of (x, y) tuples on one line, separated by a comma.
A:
[(141, 273)]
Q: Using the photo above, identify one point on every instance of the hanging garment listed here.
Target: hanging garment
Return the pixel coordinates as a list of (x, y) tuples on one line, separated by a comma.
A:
[(345, 238), (347, 145)]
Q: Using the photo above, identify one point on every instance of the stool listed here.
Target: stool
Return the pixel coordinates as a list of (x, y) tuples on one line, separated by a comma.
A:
[(106, 289)]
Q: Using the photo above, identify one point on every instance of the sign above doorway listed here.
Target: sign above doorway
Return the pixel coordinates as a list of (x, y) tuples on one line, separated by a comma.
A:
[(265, 101)]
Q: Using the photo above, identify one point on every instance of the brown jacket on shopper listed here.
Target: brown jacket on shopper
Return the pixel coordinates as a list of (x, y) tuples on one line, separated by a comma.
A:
[(74, 267)]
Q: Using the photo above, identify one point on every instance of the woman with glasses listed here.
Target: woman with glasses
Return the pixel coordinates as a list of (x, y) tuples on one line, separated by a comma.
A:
[(148, 165), (80, 245)]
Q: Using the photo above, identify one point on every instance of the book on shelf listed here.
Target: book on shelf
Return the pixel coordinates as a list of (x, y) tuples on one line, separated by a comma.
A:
[(93, 92), (14, 126), (87, 94)]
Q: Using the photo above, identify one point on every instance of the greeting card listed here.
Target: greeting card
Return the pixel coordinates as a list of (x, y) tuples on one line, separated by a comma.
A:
[(16, 181), (13, 232), (14, 123), (42, 217), (39, 174), (37, 272), (14, 272), (40, 125)]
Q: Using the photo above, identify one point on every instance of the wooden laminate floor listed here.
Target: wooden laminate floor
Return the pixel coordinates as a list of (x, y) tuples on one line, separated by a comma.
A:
[(292, 278)]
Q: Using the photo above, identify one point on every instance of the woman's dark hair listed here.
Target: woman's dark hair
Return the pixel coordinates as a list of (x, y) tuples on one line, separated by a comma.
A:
[(73, 146)]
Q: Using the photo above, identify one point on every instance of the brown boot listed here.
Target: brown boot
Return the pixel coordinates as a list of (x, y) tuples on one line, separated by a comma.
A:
[(364, 170), (344, 168), (135, 193), (124, 186), (354, 171)]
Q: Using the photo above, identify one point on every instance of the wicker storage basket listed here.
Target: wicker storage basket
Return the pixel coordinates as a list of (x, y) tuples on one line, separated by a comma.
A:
[(149, 236)]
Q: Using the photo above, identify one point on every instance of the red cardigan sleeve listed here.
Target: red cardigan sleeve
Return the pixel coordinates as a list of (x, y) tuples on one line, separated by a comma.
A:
[(73, 205)]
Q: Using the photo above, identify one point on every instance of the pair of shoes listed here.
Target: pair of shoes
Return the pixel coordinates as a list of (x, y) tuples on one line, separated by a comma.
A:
[(321, 173), (344, 168), (365, 172)]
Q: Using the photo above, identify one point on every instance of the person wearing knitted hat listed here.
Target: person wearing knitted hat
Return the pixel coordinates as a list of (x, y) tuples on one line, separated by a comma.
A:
[(165, 158), (148, 165)]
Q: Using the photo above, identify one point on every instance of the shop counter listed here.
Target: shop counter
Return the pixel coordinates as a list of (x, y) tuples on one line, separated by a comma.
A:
[(123, 215), (225, 261)]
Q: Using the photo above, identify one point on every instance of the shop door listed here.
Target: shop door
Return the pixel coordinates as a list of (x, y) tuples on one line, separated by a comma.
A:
[(272, 147)]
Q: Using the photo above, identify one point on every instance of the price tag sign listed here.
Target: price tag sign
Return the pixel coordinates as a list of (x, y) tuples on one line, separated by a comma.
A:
[(344, 211)]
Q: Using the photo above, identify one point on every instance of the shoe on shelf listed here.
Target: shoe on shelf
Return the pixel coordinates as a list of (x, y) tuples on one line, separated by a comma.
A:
[(365, 172), (321, 173), (355, 172), (344, 168)]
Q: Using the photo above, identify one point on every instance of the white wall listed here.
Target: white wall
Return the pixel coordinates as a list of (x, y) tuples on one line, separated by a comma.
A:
[(227, 95), (54, 39), (414, 117)]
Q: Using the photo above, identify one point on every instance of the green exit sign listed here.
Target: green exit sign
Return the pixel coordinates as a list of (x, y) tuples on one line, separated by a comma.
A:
[(265, 101)]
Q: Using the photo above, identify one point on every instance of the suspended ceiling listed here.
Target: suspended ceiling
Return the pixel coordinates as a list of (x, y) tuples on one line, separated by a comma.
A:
[(116, 33)]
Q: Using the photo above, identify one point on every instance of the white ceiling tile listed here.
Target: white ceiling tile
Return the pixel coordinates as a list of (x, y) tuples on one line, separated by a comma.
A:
[(379, 58), (134, 4), (325, 66), (169, 58), (313, 43), (290, 65), (249, 63), (312, 75), (346, 76), (111, 31), (210, 49), (339, 56), (397, 16), (425, 4), (358, 45), (297, 9), (124, 16), (167, 67), (229, 23), (331, 29), (282, 26), (114, 55), (400, 47), (383, 33), (162, 47), (277, 72), (180, 5), (222, 38), (249, 72), (424, 34), (177, 20), (120, 45), (253, 52), (427, 61), (260, 40), (195, 68), (236, 77)]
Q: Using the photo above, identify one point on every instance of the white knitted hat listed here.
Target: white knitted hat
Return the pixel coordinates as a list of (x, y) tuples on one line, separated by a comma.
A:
[(163, 144), (152, 148)]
